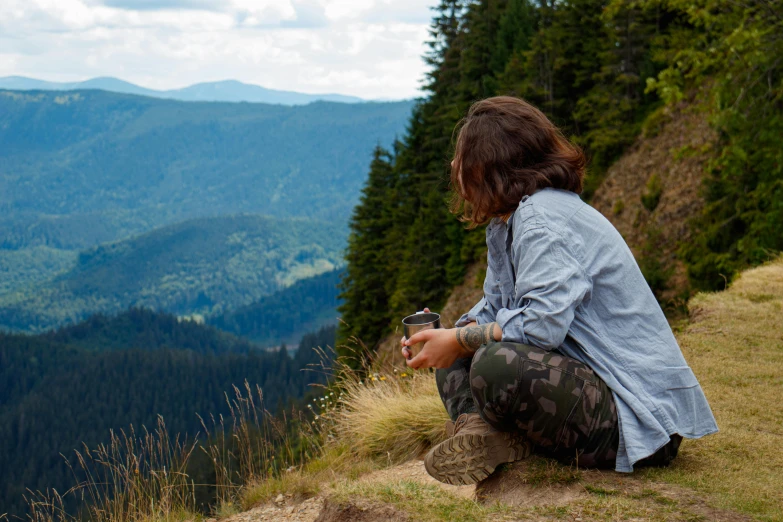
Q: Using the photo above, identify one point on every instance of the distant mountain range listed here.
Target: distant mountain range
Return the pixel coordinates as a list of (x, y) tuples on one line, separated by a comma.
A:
[(79, 168), (109, 200), (225, 91)]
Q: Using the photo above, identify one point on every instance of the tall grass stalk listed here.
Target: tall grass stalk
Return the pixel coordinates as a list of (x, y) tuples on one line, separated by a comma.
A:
[(253, 444), (143, 477), (133, 477)]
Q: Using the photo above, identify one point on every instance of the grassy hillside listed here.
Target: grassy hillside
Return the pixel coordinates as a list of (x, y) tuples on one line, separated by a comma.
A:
[(83, 167), (733, 342), (283, 316), (652, 194), (74, 385), (199, 266)]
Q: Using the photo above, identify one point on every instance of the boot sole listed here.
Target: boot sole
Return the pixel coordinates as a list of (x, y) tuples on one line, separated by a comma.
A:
[(468, 459)]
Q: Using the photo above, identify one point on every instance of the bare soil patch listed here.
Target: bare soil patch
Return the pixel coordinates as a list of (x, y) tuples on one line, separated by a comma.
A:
[(414, 470), (675, 159), (358, 510)]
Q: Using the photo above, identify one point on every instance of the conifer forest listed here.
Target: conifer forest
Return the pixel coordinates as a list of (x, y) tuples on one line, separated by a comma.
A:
[(604, 71)]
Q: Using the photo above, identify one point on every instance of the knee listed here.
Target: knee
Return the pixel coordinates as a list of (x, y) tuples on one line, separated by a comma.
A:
[(494, 382)]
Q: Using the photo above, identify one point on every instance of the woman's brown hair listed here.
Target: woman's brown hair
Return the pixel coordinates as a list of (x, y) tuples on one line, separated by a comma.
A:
[(507, 149)]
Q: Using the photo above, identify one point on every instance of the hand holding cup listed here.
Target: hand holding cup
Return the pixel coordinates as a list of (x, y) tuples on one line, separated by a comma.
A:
[(413, 324), (426, 344)]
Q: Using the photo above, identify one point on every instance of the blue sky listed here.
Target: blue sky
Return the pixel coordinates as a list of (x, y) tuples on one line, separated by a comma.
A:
[(366, 48)]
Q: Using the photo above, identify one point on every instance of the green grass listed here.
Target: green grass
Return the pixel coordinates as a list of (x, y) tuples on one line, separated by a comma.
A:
[(336, 462), (546, 472), (614, 508), (295, 483)]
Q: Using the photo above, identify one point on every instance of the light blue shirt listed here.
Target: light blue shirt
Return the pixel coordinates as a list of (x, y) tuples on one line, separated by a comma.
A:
[(560, 276)]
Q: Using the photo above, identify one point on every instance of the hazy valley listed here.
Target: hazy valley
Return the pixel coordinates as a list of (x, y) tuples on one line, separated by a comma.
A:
[(114, 200)]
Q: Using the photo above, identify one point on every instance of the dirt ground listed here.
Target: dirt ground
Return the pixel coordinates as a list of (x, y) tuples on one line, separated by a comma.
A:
[(581, 496)]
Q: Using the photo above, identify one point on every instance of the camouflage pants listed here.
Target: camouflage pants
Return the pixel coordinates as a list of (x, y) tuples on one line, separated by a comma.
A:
[(559, 403)]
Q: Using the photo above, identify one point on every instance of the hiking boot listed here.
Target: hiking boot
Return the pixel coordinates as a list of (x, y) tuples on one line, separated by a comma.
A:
[(473, 452)]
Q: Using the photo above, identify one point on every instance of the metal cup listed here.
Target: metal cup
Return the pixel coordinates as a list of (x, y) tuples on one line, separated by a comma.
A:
[(416, 323)]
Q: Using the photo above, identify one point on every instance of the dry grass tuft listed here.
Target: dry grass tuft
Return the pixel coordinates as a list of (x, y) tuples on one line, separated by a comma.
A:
[(394, 418), (297, 484)]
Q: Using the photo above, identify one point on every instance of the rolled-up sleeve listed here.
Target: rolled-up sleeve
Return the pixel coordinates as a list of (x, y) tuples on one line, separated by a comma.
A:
[(481, 313), (550, 284)]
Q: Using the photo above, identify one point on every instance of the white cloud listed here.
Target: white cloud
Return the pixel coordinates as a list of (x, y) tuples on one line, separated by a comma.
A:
[(367, 48), (308, 13)]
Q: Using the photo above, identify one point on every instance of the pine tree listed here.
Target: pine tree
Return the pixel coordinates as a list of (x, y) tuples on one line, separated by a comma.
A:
[(444, 30), (423, 280), (364, 289), (607, 116), (515, 30), (481, 29)]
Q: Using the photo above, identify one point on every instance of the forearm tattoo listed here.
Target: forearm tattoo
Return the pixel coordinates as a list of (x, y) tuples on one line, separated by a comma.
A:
[(472, 337)]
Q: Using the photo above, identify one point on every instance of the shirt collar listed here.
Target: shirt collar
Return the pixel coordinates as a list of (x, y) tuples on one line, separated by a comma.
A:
[(498, 233), (497, 225)]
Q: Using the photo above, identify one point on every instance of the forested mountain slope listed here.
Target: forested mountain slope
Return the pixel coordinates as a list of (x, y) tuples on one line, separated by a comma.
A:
[(200, 266), (145, 329), (83, 167), (109, 200), (72, 386), (603, 71), (283, 316)]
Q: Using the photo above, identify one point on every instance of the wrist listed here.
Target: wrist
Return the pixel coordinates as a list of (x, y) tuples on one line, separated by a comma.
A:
[(471, 338), (462, 351)]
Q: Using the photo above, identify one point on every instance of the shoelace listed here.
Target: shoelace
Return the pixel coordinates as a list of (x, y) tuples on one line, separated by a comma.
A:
[(460, 422)]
